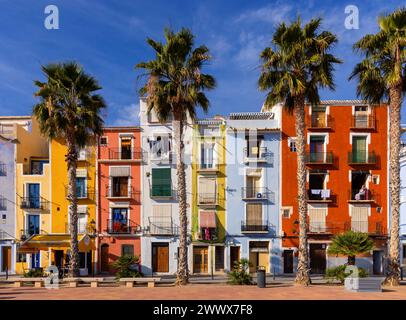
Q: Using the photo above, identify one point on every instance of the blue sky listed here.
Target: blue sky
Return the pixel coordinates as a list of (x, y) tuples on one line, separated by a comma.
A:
[(108, 39)]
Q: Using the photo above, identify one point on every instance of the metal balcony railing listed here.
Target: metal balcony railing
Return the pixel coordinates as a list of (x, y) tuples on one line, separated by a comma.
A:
[(125, 192), (362, 157), (255, 193), (161, 226), (207, 198), (319, 195), (362, 195), (256, 153), (372, 228), (319, 122), (207, 167), (35, 203), (319, 157), (83, 228), (29, 232), (167, 156), (254, 226), (86, 193), (363, 122), (124, 154), (123, 226)]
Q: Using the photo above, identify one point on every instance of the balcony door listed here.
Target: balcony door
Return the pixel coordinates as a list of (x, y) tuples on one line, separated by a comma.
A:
[(161, 182), (317, 148), (361, 116), (317, 185), (32, 224), (81, 187), (33, 195), (207, 190), (125, 150), (254, 214), (207, 155), (359, 147), (319, 117), (254, 144), (120, 186), (253, 184), (317, 218), (119, 221), (359, 218)]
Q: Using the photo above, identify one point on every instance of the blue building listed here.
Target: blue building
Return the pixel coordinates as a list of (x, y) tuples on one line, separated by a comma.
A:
[(253, 223)]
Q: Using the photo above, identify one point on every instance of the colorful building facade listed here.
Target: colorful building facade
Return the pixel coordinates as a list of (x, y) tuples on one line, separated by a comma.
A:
[(160, 208), (253, 190), (208, 206), (347, 184), (119, 194)]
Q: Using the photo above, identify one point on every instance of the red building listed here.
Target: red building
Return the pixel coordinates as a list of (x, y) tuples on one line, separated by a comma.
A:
[(347, 178), (118, 171)]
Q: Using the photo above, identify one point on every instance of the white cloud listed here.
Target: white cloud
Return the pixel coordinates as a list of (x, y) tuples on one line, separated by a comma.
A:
[(127, 115), (271, 14), (250, 47)]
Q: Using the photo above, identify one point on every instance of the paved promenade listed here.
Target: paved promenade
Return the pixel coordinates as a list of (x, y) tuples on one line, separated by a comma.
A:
[(275, 291)]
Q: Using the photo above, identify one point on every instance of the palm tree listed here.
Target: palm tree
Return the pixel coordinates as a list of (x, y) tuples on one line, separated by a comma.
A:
[(69, 110), (381, 76), (350, 244), (292, 71), (175, 86)]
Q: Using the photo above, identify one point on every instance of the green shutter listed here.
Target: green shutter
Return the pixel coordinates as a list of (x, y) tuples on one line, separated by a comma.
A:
[(161, 182)]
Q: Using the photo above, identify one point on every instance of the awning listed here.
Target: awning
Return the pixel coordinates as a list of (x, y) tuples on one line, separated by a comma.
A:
[(120, 171), (207, 219), (46, 241)]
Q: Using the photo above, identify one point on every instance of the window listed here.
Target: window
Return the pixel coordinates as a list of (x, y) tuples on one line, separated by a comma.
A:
[(317, 218), (37, 166), (81, 191), (292, 144), (3, 203), (207, 155), (359, 218), (125, 147), (103, 141), (317, 181), (82, 219), (160, 146), (254, 146), (3, 169), (359, 149), (286, 212), (207, 190), (318, 117), (127, 250), (33, 199), (219, 258), (317, 148), (119, 221), (120, 186), (359, 190), (207, 224), (161, 182), (361, 116), (211, 131), (161, 220), (253, 183), (254, 214), (82, 153), (152, 117), (21, 257), (3, 218)]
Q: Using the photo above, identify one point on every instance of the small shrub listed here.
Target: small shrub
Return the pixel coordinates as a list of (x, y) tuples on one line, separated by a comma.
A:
[(338, 273), (124, 264), (240, 274), (34, 273)]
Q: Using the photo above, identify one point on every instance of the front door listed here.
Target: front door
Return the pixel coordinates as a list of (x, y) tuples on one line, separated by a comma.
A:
[(6, 258), (35, 257), (58, 256), (33, 224), (288, 261), (160, 257), (234, 256), (377, 262), (200, 259), (317, 258), (104, 258)]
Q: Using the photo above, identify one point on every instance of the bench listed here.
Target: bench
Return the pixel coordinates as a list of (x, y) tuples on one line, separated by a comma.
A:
[(363, 284), (18, 282), (73, 282), (129, 282)]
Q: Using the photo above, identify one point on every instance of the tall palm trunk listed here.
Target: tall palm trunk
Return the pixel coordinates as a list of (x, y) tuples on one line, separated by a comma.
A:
[(71, 158), (302, 275), (182, 276), (393, 274)]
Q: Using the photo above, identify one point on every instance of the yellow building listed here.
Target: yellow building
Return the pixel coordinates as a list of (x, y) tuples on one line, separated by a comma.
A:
[(208, 196), (32, 195)]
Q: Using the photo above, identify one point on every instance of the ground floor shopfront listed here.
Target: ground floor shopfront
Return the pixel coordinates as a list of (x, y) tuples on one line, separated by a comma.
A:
[(7, 256)]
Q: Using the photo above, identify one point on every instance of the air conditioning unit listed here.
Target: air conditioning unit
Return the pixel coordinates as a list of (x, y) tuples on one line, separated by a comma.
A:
[(259, 195), (198, 236)]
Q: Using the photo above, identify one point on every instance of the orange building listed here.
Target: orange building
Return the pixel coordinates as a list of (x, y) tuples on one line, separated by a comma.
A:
[(347, 179), (119, 168)]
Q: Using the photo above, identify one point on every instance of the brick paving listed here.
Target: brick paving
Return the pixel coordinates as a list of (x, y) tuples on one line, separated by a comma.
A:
[(281, 291)]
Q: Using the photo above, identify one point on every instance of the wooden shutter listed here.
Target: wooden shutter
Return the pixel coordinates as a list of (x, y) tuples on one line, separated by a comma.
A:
[(317, 217), (359, 218), (161, 182), (254, 213), (207, 190)]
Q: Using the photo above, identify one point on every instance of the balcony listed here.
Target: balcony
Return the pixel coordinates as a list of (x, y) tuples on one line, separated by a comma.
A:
[(121, 193), (34, 203), (324, 227), (361, 158), (256, 154), (7, 129), (161, 226), (83, 228), (319, 195), (260, 226), (256, 193), (25, 234), (207, 199), (372, 228), (362, 196), (319, 124), (164, 157), (362, 123), (125, 155), (124, 227), (82, 194), (319, 158), (207, 168)]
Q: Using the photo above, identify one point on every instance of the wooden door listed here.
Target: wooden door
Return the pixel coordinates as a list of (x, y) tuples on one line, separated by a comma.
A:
[(200, 259), (253, 258), (160, 257), (318, 258), (6, 254), (104, 258), (263, 260), (234, 256), (288, 261)]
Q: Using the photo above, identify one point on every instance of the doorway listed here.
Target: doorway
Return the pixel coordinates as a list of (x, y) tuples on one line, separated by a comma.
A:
[(160, 257), (288, 261), (259, 255), (58, 258), (377, 262), (318, 259), (6, 258), (200, 259), (234, 256), (104, 258)]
